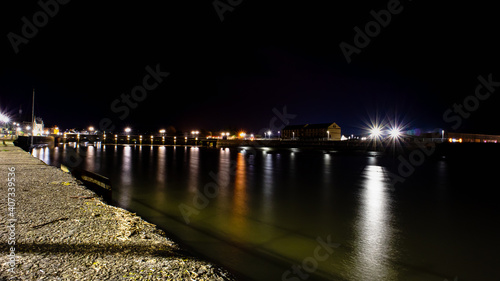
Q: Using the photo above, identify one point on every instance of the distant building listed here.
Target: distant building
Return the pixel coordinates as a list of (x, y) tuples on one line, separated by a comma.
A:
[(461, 137), (36, 128), (324, 131), (54, 130)]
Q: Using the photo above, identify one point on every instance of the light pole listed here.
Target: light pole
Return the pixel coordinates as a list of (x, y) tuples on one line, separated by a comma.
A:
[(269, 134), (4, 119), (327, 135), (195, 133), (293, 135), (128, 130)]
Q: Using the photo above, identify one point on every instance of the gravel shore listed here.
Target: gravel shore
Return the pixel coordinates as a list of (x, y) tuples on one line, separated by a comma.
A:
[(62, 231)]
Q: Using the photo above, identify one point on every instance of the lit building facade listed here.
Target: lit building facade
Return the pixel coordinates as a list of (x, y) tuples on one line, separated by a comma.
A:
[(324, 131)]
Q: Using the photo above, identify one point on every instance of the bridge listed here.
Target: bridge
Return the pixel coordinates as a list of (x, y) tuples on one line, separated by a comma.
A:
[(127, 139)]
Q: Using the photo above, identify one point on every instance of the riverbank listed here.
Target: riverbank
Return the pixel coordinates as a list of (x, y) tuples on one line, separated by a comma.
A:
[(53, 228)]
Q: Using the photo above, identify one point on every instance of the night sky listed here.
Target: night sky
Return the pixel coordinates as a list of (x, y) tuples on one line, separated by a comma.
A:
[(263, 55)]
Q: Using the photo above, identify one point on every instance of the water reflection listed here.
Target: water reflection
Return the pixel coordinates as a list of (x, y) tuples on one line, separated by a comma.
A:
[(267, 185), (272, 208), (224, 174), (268, 175), (126, 176), (90, 158), (373, 229), (161, 171), (240, 192), (194, 168), (56, 155)]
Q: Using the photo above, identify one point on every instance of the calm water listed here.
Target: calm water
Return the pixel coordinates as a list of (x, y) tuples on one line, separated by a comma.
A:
[(268, 215)]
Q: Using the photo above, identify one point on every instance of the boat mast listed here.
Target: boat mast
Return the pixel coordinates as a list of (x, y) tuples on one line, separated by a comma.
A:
[(32, 120)]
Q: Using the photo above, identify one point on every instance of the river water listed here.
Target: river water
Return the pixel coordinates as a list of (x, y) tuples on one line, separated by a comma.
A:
[(297, 214)]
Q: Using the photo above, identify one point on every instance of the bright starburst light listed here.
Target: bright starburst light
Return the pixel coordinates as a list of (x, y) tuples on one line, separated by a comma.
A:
[(395, 132), (376, 132)]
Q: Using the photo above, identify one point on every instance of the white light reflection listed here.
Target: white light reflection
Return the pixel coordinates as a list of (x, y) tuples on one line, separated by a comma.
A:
[(374, 232), (126, 177), (90, 159), (327, 177), (45, 157), (194, 168), (268, 175), (268, 183), (161, 167), (224, 173), (56, 152)]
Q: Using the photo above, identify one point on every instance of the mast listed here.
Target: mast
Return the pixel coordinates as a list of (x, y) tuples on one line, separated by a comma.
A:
[(32, 120)]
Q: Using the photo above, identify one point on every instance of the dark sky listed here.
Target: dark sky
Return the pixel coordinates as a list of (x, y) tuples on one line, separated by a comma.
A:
[(264, 55)]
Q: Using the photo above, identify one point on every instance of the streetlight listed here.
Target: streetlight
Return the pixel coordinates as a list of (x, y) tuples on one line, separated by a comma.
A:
[(91, 129), (395, 132), (375, 132), (162, 132), (127, 130), (195, 133), (327, 135), (4, 118), (269, 134)]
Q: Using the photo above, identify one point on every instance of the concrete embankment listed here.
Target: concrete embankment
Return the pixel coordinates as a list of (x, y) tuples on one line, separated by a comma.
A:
[(53, 228)]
